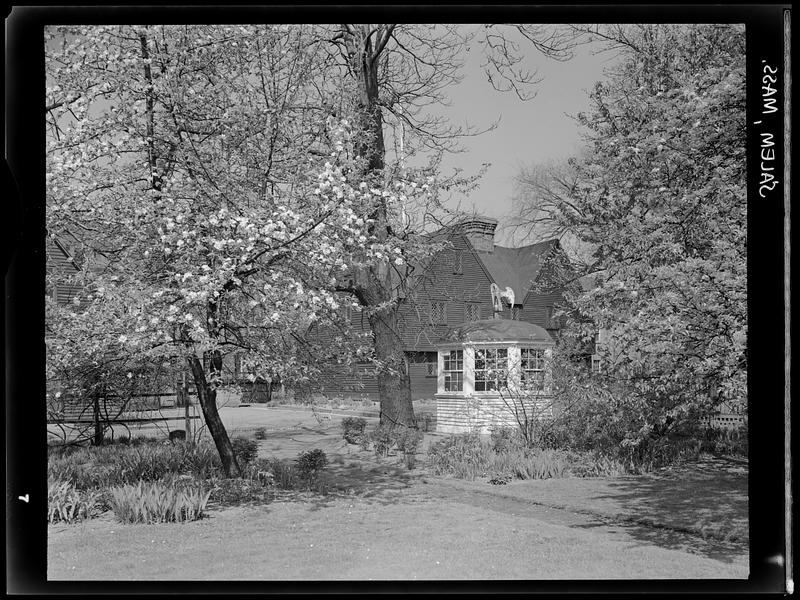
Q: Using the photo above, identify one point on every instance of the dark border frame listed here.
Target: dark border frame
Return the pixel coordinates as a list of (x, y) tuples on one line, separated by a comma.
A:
[(23, 259)]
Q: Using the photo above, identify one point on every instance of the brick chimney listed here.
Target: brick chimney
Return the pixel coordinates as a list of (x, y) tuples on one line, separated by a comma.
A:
[(480, 232)]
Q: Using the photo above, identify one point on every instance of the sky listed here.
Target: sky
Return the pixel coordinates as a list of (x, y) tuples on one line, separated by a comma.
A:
[(533, 131)]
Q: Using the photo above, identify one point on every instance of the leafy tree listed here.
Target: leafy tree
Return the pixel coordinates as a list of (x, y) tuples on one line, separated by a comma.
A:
[(221, 183), (659, 201), (397, 73), (212, 198)]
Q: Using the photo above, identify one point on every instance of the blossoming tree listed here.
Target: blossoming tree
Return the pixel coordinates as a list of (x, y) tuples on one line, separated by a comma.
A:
[(658, 201), (176, 169)]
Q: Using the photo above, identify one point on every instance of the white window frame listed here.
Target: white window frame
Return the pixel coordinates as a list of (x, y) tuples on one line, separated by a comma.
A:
[(450, 359), (496, 369), (532, 373)]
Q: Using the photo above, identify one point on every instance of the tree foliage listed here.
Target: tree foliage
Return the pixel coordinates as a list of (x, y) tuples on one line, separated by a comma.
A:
[(213, 201), (224, 184), (659, 200)]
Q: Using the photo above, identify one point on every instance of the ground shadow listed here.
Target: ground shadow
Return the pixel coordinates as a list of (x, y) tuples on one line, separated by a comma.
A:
[(700, 508)]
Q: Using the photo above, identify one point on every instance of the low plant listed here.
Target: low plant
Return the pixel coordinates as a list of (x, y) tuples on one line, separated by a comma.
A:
[(235, 491), (283, 474), (541, 464), (244, 449), (353, 429), (408, 441), (157, 502), (310, 463), (464, 456), (504, 439), (726, 442), (383, 439), (594, 464), (67, 504), (260, 434), (88, 468)]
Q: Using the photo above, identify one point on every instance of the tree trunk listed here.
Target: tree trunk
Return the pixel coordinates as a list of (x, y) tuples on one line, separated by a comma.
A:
[(394, 383), (98, 426), (375, 285), (207, 395)]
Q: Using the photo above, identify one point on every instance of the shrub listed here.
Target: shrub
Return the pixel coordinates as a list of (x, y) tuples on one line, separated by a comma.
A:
[(237, 491), (66, 503), (284, 475), (261, 434), (541, 464), (407, 440), (594, 464), (245, 450), (464, 456), (261, 470), (310, 463), (383, 439), (727, 442), (88, 468), (353, 429), (506, 439), (157, 502)]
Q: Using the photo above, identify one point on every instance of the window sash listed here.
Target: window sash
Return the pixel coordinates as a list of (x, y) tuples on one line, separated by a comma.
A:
[(491, 368), (458, 267), (472, 312), (438, 312), (453, 371), (532, 364)]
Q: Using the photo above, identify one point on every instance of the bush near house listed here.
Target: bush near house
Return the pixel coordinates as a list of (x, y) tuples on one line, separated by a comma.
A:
[(353, 429)]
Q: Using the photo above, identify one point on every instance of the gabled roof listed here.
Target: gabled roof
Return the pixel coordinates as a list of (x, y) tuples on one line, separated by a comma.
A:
[(516, 268)]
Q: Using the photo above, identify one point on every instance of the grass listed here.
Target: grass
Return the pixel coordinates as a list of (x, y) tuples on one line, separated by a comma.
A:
[(394, 536), (305, 519)]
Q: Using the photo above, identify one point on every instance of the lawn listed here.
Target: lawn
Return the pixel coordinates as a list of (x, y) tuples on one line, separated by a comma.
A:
[(381, 521)]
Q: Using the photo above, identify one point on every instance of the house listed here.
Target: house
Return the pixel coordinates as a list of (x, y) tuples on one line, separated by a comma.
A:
[(493, 374), (471, 279)]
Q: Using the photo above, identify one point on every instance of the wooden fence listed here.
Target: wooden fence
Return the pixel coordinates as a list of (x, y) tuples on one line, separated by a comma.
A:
[(78, 418)]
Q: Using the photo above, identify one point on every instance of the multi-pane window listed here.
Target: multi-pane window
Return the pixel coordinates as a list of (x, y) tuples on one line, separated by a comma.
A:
[(438, 312), (532, 363), (453, 371), (596, 365), (491, 367), (430, 369), (458, 267), (515, 312), (472, 311)]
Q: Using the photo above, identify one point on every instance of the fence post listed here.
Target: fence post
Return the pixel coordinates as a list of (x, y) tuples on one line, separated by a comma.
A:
[(185, 394)]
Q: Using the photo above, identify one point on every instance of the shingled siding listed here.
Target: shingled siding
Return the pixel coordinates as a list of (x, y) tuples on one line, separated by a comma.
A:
[(60, 265), (456, 278), (459, 414), (363, 384), (534, 310)]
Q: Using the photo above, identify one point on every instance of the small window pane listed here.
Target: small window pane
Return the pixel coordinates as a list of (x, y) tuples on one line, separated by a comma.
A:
[(453, 371), (491, 367)]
